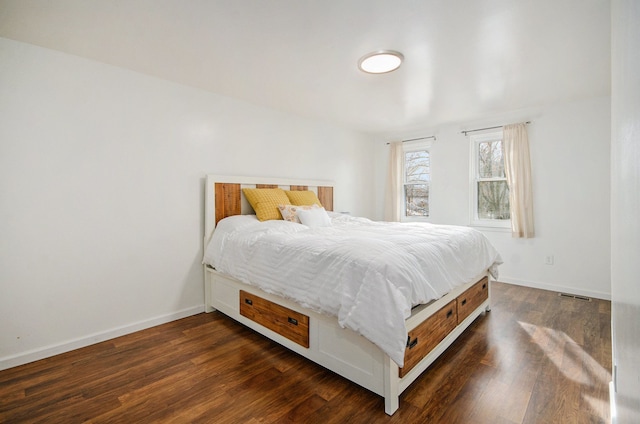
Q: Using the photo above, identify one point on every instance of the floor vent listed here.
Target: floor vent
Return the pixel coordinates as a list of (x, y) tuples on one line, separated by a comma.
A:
[(575, 296)]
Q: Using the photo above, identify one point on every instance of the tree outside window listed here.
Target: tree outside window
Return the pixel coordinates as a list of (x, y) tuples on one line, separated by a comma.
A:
[(490, 191), (493, 191), (417, 176)]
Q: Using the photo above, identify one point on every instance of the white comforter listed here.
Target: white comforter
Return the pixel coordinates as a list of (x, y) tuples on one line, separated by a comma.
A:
[(368, 274)]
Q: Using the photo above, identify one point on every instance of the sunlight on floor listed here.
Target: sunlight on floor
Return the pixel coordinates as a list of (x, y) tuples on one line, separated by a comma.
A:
[(572, 361)]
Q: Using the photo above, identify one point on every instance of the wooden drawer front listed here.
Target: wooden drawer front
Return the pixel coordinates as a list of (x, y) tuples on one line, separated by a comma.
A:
[(472, 298), (427, 335), (284, 321)]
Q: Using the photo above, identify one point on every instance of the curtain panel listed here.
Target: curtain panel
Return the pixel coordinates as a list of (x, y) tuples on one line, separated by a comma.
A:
[(393, 206), (517, 163)]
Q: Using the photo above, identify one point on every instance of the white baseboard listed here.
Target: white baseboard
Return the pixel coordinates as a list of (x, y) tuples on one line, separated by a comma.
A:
[(46, 352), (612, 403), (556, 288)]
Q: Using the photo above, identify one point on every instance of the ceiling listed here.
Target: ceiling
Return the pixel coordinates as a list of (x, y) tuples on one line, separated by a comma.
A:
[(464, 59)]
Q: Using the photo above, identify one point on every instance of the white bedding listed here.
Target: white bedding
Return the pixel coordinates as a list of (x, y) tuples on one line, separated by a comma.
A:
[(368, 274)]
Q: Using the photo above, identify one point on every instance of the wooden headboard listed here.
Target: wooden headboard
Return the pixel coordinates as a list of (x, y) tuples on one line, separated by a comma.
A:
[(223, 195)]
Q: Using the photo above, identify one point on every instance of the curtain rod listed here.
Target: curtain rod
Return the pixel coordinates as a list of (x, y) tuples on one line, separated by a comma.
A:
[(488, 128), (419, 138)]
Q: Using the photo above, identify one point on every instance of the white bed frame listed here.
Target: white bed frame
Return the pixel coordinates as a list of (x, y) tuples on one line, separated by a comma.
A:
[(340, 350)]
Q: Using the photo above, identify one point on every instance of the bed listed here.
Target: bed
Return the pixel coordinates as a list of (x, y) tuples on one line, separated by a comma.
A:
[(375, 323)]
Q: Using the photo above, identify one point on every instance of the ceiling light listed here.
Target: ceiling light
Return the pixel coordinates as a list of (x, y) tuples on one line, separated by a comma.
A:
[(380, 62)]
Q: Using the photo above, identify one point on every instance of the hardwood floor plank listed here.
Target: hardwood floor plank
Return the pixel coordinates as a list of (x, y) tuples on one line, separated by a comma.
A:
[(536, 357)]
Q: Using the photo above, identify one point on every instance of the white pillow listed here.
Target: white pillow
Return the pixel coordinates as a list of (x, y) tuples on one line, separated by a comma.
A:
[(315, 217)]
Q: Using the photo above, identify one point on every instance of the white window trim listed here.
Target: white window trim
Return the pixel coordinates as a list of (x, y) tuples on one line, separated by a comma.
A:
[(474, 221), (414, 146)]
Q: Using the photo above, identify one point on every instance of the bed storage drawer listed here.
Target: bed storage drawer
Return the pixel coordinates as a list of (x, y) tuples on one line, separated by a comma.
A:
[(284, 321), (472, 298), (427, 335)]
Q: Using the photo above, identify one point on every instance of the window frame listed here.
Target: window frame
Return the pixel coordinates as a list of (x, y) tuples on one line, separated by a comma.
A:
[(408, 147), (475, 178)]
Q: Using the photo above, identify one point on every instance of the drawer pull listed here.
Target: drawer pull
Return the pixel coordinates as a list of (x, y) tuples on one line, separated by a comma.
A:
[(464, 301), (292, 321), (484, 286), (248, 301), (449, 313), (412, 343)]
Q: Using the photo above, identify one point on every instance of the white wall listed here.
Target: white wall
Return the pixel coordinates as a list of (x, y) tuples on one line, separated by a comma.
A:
[(625, 209), (101, 180), (570, 165)]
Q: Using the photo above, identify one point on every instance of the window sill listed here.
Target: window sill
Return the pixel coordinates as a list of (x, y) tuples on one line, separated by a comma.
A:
[(494, 228)]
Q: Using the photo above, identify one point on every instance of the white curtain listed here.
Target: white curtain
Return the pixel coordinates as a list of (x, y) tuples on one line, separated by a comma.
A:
[(393, 206), (517, 164)]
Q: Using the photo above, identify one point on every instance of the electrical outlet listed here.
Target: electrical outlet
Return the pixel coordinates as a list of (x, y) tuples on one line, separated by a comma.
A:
[(548, 260)]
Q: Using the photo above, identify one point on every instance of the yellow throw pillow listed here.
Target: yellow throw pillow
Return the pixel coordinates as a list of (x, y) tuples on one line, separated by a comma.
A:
[(265, 201), (303, 198)]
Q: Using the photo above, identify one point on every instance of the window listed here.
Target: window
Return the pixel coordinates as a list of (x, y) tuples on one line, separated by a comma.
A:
[(489, 190), (416, 180)]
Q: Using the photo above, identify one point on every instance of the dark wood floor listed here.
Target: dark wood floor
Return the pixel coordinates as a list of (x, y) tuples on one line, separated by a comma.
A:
[(535, 358)]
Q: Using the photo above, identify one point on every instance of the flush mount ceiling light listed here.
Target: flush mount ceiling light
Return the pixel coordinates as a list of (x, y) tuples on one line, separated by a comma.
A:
[(380, 62)]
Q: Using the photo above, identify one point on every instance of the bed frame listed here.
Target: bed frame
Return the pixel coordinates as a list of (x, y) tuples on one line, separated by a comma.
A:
[(432, 328)]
